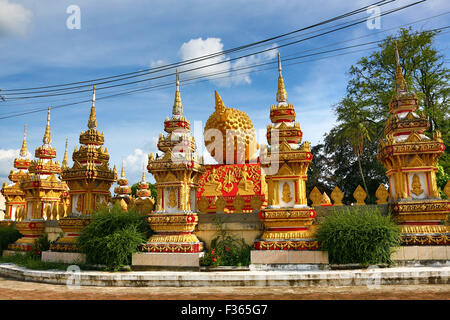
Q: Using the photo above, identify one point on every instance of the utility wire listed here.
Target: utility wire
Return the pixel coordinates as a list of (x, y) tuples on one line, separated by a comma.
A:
[(220, 53), (208, 77), (199, 67), (9, 103)]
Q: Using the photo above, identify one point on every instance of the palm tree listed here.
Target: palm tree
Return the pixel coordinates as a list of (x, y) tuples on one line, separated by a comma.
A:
[(354, 128)]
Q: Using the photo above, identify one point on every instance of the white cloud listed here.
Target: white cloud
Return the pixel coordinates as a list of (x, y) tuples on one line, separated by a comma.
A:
[(195, 48), (157, 63), (134, 162), (14, 18), (7, 157), (243, 76)]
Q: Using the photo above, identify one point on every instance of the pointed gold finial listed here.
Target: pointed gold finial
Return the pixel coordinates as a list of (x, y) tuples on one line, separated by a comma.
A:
[(47, 137), (23, 150), (400, 83), (219, 103), (92, 123), (122, 173), (65, 162), (177, 105), (143, 173), (281, 92)]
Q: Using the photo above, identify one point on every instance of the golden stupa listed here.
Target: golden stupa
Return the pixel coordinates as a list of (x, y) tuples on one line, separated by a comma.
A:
[(237, 133)]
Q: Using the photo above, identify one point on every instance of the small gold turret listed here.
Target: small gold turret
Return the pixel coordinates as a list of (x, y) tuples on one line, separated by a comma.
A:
[(92, 123), (281, 92)]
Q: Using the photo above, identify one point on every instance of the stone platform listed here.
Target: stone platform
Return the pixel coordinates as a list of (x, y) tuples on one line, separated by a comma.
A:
[(63, 257), (166, 261), (9, 253)]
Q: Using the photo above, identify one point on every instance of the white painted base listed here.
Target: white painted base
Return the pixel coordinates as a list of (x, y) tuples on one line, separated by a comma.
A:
[(63, 257), (421, 253), (268, 257), (162, 259)]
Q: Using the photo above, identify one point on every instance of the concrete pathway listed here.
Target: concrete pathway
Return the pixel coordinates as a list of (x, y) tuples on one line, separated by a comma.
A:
[(13, 289)]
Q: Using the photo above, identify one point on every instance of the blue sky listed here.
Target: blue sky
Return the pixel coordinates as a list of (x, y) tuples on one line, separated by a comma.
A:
[(37, 49)]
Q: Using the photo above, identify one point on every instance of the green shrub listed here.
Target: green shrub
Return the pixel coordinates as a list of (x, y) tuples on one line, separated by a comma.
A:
[(32, 262), (8, 235), (113, 236), (226, 250), (40, 244), (361, 236)]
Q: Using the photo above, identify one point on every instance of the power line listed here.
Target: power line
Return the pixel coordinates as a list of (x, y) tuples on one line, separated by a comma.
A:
[(196, 68), (208, 76), (170, 84), (201, 58), (304, 51)]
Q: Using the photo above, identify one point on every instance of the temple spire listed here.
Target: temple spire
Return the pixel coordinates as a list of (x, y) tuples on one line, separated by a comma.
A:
[(143, 175), (92, 123), (219, 103), (65, 162), (47, 137), (281, 93), (177, 105), (122, 173), (23, 150), (400, 84)]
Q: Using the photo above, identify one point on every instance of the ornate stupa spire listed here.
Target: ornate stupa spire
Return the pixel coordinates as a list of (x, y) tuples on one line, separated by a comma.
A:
[(123, 191), (65, 162), (92, 123), (144, 202), (176, 174), (287, 218), (177, 105), (23, 150), (281, 92), (14, 196), (43, 192), (410, 159), (47, 137), (89, 181)]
